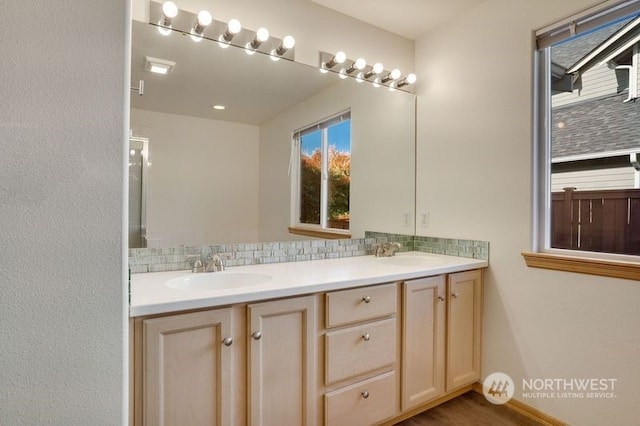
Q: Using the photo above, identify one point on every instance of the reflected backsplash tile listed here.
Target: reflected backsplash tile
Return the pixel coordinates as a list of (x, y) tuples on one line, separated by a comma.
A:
[(143, 260)]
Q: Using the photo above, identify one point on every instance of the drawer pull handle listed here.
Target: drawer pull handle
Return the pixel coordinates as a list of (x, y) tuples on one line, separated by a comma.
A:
[(366, 299), (454, 295), (228, 341), (440, 298), (366, 337), (257, 335), (365, 394)]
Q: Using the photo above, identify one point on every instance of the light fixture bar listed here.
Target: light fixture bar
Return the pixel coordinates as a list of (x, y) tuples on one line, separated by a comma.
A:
[(375, 74), (224, 33)]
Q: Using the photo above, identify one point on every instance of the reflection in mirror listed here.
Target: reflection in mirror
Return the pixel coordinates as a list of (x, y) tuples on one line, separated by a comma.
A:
[(222, 176)]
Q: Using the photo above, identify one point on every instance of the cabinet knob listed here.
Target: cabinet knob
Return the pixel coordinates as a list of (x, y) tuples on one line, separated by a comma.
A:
[(365, 394), (454, 295), (228, 341), (366, 337), (257, 335), (366, 299), (440, 298)]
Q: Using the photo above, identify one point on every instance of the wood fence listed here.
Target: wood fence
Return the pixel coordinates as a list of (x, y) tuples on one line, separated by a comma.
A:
[(601, 221)]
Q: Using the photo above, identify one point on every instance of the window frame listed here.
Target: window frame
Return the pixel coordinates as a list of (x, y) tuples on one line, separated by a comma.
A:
[(322, 230), (542, 254)]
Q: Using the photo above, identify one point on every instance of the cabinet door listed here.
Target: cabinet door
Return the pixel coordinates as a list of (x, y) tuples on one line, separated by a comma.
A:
[(464, 328), (282, 362), (186, 379), (423, 330)]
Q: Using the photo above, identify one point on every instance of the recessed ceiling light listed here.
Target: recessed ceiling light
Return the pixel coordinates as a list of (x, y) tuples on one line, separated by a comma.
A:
[(219, 107)]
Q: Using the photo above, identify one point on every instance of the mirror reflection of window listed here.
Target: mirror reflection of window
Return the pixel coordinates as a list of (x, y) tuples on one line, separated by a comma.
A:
[(137, 191), (324, 174)]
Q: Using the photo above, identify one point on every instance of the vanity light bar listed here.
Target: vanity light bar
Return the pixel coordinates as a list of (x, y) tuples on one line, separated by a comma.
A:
[(374, 73), (203, 26)]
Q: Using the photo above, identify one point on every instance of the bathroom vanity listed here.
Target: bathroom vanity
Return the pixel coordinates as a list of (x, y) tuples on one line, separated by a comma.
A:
[(352, 341)]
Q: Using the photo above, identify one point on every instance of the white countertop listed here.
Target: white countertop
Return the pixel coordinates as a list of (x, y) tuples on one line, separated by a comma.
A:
[(150, 295)]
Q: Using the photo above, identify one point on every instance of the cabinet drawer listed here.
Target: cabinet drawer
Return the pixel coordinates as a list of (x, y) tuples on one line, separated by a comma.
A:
[(363, 403), (358, 350), (360, 304)]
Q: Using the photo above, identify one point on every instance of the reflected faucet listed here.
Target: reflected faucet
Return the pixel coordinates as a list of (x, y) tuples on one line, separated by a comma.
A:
[(387, 249), (214, 264), (197, 264)]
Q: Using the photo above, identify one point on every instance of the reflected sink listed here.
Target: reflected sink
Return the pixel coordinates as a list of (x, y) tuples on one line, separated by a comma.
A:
[(413, 260), (218, 280)]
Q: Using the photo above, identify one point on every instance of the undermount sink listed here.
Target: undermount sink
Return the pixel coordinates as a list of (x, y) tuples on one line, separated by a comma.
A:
[(413, 260), (218, 280)]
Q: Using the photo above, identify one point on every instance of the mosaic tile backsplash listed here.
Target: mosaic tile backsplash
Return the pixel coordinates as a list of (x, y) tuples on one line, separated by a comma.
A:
[(182, 258)]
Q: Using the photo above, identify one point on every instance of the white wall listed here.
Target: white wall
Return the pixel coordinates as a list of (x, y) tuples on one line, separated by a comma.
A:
[(62, 267), (382, 164), (474, 177), (203, 179)]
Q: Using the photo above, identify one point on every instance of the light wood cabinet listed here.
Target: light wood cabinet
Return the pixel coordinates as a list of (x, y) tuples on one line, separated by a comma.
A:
[(365, 356), (361, 356), (441, 335), (464, 328), (282, 362), (362, 403), (423, 332), (187, 369)]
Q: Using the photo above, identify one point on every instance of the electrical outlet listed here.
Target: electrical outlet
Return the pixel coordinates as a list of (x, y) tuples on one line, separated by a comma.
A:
[(424, 219), (406, 219)]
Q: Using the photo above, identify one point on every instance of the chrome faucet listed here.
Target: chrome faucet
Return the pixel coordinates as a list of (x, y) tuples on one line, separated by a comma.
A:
[(215, 264), (387, 249), (197, 264)]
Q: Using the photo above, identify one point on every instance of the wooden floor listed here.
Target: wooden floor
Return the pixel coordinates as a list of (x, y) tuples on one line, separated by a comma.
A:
[(469, 409)]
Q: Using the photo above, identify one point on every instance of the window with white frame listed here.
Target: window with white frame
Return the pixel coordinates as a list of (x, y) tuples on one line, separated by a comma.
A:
[(321, 175), (588, 134)]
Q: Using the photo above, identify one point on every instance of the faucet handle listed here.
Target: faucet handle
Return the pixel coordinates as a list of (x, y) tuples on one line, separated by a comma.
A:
[(217, 262), (197, 264)]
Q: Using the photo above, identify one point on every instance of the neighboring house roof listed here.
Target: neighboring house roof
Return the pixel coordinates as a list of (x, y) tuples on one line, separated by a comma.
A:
[(572, 51), (604, 49), (599, 125)]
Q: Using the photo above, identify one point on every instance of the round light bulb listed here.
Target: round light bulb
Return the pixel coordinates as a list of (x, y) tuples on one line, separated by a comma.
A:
[(164, 31), (132, 152), (169, 9), (378, 68), (360, 64), (262, 35), (222, 42), (395, 74), (204, 18), (288, 42), (411, 78), (234, 26), (340, 57)]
